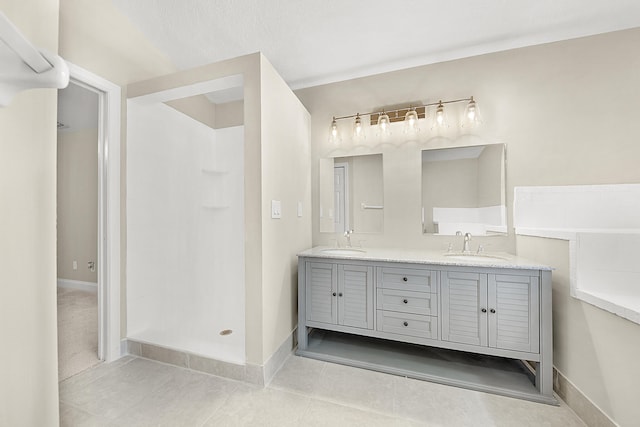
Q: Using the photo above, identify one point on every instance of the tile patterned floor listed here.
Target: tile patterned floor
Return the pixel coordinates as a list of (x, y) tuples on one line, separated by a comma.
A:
[(139, 392)]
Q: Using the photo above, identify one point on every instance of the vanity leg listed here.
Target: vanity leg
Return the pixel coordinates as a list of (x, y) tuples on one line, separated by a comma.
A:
[(303, 332), (544, 371)]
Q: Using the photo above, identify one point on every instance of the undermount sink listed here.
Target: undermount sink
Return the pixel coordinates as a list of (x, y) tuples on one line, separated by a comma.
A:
[(474, 257), (343, 251)]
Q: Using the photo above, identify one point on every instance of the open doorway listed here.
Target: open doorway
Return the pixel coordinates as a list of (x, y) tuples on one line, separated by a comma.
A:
[(77, 229), (91, 173)]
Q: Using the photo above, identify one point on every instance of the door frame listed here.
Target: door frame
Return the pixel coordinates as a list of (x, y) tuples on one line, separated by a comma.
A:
[(109, 107), (345, 182)]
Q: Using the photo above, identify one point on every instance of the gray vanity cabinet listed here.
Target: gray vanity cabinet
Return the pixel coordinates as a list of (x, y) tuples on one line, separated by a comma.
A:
[(339, 294), (491, 310), (393, 315)]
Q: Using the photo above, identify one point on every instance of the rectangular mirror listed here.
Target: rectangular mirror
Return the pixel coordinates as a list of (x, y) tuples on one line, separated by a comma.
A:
[(463, 189), (351, 194)]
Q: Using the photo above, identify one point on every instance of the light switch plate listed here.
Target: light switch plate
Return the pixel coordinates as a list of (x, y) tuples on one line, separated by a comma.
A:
[(299, 209), (276, 209)]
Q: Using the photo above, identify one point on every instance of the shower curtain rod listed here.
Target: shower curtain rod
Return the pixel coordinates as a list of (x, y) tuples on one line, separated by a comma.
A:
[(25, 67), (12, 37)]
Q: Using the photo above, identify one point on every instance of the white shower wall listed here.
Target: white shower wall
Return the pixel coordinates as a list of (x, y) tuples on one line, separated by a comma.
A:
[(185, 233)]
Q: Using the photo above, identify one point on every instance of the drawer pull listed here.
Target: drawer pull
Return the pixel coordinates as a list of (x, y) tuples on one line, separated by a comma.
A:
[(492, 310), (340, 294), (404, 279), (334, 294), (405, 323), (484, 310), (406, 301)]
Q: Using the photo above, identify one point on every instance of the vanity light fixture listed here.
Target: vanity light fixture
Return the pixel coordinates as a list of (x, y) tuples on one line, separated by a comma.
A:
[(409, 115)]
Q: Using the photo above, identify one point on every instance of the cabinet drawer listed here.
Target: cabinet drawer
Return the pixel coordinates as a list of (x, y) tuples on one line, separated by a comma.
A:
[(408, 324), (407, 302), (407, 279)]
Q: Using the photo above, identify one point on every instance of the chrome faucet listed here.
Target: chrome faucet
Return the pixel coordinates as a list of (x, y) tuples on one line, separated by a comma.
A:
[(466, 247), (348, 234)]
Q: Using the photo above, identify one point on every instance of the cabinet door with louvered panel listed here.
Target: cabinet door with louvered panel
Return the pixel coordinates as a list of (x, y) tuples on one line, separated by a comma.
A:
[(464, 296), (321, 288), (513, 312), (355, 296)]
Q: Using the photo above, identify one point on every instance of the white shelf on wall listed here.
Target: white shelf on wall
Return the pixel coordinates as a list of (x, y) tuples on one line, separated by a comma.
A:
[(602, 225)]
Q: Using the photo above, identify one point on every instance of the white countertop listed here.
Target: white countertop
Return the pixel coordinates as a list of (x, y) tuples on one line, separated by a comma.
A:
[(487, 259)]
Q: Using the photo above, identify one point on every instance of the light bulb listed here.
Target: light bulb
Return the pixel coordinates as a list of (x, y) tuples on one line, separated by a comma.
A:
[(471, 113), (334, 134), (358, 130), (384, 124), (440, 114), (471, 110), (411, 121)]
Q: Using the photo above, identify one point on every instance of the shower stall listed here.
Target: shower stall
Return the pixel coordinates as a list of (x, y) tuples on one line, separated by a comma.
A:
[(185, 232), (210, 273)]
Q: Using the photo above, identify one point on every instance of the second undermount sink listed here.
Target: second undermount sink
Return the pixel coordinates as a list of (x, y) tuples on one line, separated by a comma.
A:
[(474, 257), (343, 251)]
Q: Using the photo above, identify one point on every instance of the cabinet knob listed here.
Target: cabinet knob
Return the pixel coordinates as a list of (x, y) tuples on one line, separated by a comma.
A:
[(492, 310), (404, 279), (406, 323), (340, 294), (334, 294), (484, 310), (405, 301)]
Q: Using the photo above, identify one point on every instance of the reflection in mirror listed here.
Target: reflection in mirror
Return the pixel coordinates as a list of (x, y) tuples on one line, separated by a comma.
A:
[(351, 194), (463, 189)]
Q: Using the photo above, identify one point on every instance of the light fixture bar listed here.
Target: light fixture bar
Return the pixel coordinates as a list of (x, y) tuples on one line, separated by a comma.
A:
[(398, 113)]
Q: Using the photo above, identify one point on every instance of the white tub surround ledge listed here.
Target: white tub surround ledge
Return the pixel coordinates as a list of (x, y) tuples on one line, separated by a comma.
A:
[(602, 225)]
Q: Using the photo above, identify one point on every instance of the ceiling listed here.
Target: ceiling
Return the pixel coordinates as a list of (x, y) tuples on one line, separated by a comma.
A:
[(312, 42)]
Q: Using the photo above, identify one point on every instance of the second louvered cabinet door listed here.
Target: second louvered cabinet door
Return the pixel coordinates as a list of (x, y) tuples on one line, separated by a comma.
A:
[(494, 310), (355, 296)]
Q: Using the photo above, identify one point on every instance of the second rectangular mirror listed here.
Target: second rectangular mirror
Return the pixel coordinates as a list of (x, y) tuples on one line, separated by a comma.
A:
[(463, 189), (351, 194)]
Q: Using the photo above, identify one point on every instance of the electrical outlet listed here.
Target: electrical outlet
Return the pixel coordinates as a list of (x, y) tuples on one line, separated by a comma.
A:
[(75, 265)]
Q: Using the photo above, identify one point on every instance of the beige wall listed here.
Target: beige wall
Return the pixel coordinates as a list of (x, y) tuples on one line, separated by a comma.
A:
[(567, 112), (548, 103), (96, 36), (596, 350), (285, 154), (28, 359), (77, 202)]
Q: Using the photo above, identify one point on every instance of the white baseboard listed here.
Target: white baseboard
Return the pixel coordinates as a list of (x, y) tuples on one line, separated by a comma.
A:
[(78, 284)]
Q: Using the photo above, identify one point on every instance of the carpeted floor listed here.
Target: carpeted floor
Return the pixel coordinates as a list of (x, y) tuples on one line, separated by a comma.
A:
[(77, 331)]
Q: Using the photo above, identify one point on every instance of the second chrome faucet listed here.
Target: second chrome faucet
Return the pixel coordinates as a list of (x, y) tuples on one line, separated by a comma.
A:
[(466, 246)]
